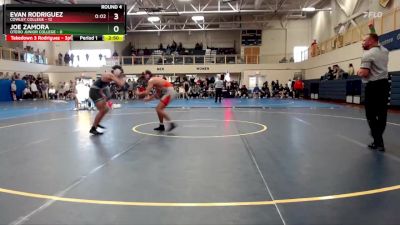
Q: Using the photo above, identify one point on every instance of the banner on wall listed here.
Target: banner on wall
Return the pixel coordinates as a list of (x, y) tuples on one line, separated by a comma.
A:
[(391, 40), (384, 3)]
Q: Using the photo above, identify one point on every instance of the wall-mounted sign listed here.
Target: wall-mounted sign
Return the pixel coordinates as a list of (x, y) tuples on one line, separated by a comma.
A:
[(160, 68), (203, 68), (391, 40)]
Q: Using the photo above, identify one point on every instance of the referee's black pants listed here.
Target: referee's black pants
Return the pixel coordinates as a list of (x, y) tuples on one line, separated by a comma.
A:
[(376, 106), (218, 94)]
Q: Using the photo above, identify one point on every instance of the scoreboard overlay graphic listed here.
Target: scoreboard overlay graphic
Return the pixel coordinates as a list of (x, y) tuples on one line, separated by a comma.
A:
[(84, 22)]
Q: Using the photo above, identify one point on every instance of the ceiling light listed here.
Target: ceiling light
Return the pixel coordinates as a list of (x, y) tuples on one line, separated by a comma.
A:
[(184, 0), (197, 18), (308, 9), (153, 19)]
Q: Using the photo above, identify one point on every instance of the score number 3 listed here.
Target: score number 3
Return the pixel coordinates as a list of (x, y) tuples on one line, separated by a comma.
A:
[(116, 17)]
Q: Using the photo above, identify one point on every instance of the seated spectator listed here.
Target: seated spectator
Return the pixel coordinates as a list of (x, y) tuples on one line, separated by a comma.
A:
[(195, 91), (244, 92), (265, 92), (52, 93), (27, 93), (338, 72), (256, 92), (329, 75), (285, 92)]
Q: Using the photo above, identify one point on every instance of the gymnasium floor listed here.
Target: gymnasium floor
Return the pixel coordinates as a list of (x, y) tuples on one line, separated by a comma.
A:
[(282, 162)]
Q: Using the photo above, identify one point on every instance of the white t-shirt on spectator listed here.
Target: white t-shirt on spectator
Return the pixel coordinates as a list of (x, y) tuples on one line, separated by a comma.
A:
[(27, 91), (34, 87), (289, 84), (13, 87)]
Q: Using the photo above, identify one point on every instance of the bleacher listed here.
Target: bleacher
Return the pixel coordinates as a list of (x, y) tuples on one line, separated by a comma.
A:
[(350, 90), (395, 89)]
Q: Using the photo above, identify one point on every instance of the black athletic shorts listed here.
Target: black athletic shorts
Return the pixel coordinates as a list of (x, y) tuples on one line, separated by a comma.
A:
[(95, 95)]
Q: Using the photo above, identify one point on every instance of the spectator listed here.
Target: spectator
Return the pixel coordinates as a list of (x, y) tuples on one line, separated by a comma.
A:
[(23, 55), (197, 46), (338, 72), (256, 92), (181, 92), (285, 91), (298, 87), (43, 56), (195, 91), (265, 83), (174, 46), (72, 59), (45, 90), (132, 86), (15, 53), (244, 92), (34, 90), (329, 75), (186, 87), (314, 48), (283, 60), (265, 92), (37, 56), (27, 94), (66, 59), (52, 92), (289, 85), (14, 90), (115, 54), (351, 70), (60, 56)]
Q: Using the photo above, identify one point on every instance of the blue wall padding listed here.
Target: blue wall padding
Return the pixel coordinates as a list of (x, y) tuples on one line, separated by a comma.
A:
[(5, 89)]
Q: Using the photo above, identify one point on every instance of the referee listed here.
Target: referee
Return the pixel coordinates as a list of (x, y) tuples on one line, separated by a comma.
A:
[(374, 72), (219, 84)]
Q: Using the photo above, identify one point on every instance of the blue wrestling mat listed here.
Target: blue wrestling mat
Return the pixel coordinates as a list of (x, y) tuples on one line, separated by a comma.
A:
[(10, 110), (237, 103)]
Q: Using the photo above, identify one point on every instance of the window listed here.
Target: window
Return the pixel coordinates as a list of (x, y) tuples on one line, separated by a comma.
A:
[(300, 53), (255, 80)]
